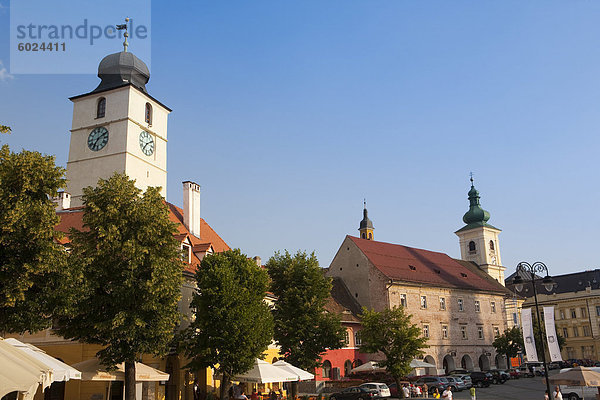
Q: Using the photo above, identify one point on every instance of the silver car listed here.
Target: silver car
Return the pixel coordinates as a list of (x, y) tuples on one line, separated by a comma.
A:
[(466, 380), (456, 383), (381, 388)]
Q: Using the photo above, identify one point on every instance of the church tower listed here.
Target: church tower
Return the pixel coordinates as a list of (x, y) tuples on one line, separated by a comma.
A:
[(118, 127), (366, 225), (479, 240)]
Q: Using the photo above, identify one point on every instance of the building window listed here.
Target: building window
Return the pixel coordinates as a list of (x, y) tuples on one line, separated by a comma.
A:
[(185, 252), (570, 352), (461, 305), (496, 331), (480, 332), (586, 330), (583, 313), (573, 313), (492, 245), (101, 107), (472, 248), (493, 306), (346, 338), (562, 313), (423, 301), (598, 311), (326, 369), (515, 318), (403, 300), (575, 332), (357, 339), (363, 235), (463, 332), (477, 306), (370, 236), (149, 113), (445, 331), (425, 330), (565, 333), (442, 303), (347, 367)]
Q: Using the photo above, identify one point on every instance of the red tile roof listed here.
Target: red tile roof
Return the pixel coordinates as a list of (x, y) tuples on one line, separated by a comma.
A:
[(403, 263), (73, 218)]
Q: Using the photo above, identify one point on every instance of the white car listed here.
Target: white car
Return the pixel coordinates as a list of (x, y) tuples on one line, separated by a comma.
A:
[(382, 389)]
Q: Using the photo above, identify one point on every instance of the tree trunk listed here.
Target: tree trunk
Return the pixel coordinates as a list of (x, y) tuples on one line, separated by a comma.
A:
[(400, 394), (225, 383), (129, 380)]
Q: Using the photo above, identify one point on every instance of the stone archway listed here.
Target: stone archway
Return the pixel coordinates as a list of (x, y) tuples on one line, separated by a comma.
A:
[(466, 362), (484, 363), (449, 365), (501, 362), (430, 370)]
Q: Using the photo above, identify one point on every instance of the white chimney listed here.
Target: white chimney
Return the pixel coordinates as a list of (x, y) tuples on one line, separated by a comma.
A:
[(63, 201), (191, 207)]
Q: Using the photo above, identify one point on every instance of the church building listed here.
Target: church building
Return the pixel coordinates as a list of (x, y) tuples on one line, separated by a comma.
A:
[(459, 304)]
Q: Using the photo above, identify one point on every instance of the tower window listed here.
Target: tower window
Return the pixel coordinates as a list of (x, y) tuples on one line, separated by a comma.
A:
[(101, 107), (364, 236), (492, 245), (149, 113), (472, 248), (370, 236)]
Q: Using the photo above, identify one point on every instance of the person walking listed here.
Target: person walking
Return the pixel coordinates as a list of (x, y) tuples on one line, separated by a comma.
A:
[(406, 391), (425, 390), (557, 394), (472, 392), (447, 394), (436, 393)]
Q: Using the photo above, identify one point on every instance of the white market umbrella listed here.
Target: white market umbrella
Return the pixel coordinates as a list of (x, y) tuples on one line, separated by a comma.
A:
[(370, 366), (94, 370), (19, 372), (420, 364), (263, 372), (60, 371), (302, 374)]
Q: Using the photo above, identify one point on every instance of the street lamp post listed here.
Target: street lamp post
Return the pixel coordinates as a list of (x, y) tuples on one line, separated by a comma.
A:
[(548, 284)]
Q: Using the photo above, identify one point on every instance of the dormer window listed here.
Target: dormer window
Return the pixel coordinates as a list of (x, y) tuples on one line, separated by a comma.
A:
[(101, 108), (472, 248), (186, 249), (149, 113)]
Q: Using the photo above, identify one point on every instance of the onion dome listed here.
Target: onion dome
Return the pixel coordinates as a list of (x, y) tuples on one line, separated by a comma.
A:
[(476, 216), (120, 69)]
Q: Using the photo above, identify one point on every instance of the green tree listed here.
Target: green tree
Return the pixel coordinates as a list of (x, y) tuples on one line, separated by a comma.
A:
[(510, 343), (5, 129), (31, 260), (130, 275), (392, 333), (232, 325), (303, 329)]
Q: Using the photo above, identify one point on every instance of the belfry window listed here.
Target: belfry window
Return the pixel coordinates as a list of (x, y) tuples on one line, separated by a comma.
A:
[(472, 248), (149, 113), (492, 245), (101, 107)]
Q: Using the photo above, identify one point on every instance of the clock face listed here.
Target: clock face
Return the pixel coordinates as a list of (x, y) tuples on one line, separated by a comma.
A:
[(98, 138), (146, 143)]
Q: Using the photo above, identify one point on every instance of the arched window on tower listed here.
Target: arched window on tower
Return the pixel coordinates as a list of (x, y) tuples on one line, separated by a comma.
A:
[(326, 369), (101, 107), (370, 236), (491, 245), (472, 248), (363, 235), (149, 113)]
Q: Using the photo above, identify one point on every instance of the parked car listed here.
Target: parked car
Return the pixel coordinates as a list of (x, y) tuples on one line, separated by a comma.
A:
[(516, 373), (481, 379), (433, 382), (354, 393), (466, 380), (556, 365), (456, 384), (381, 388), (499, 377), (394, 388)]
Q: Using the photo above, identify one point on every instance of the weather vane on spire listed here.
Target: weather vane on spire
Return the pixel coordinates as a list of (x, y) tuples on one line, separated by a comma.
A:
[(126, 35), (471, 175), (365, 202)]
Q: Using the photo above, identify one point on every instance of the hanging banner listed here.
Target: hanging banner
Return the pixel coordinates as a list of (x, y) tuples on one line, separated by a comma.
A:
[(553, 347), (528, 338)]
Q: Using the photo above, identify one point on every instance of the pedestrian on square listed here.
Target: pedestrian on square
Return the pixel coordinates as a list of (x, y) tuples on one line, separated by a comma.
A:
[(472, 392), (557, 394), (417, 391), (436, 393), (546, 395), (425, 390), (405, 392), (447, 394)]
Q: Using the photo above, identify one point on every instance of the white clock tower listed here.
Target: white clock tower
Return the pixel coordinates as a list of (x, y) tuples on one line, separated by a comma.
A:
[(118, 127), (479, 240)]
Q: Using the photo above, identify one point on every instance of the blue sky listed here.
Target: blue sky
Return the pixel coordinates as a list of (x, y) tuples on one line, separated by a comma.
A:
[(288, 114)]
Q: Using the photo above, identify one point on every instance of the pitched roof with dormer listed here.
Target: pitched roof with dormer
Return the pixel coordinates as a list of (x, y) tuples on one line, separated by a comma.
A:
[(208, 241), (418, 266)]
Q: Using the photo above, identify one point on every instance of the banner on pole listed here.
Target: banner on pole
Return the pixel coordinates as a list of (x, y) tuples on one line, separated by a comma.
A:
[(553, 347), (528, 337)]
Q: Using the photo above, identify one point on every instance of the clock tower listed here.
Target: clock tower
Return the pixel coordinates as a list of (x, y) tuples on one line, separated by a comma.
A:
[(479, 240), (118, 127)]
